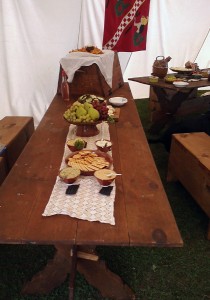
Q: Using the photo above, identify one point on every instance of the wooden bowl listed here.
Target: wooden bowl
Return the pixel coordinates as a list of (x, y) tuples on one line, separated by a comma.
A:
[(72, 147), (69, 175), (102, 178), (103, 145), (86, 129)]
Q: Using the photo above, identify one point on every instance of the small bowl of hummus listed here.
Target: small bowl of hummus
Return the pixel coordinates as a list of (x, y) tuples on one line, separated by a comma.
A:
[(69, 175)]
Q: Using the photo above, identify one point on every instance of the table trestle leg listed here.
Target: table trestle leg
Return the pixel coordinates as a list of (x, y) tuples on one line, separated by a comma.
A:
[(73, 271)]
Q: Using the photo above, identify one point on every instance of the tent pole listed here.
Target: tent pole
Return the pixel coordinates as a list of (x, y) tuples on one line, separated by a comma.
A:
[(202, 45)]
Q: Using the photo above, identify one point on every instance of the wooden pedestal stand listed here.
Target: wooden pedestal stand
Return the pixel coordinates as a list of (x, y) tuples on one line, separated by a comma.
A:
[(86, 130)]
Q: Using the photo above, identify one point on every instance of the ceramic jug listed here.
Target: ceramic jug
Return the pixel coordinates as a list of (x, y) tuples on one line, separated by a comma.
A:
[(160, 66)]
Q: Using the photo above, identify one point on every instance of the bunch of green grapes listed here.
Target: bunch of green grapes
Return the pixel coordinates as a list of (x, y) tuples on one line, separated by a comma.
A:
[(70, 113), (81, 113)]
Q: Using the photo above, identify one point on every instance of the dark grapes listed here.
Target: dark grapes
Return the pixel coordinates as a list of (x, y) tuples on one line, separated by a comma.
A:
[(102, 108)]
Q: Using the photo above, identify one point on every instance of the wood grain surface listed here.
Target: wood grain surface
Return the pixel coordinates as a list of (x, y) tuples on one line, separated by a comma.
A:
[(142, 211)]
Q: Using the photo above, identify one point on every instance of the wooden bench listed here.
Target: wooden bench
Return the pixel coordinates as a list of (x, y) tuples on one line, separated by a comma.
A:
[(189, 162), (14, 134)]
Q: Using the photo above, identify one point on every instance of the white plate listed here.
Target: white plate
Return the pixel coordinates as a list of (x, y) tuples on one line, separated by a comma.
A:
[(204, 78), (180, 83), (181, 70), (118, 101)]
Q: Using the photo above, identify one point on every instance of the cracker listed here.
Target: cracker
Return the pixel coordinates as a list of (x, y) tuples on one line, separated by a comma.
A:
[(86, 160)]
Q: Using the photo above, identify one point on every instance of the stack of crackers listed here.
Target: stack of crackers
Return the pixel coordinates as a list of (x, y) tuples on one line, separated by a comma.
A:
[(87, 161)]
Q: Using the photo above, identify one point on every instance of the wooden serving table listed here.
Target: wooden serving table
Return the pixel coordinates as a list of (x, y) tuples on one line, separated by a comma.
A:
[(167, 101), (142, 212)]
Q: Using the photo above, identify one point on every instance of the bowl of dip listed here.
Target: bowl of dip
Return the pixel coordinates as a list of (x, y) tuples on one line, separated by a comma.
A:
[(103, 145)]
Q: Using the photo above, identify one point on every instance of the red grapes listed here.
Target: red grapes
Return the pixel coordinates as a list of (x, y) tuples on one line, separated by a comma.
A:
[(102, 108)]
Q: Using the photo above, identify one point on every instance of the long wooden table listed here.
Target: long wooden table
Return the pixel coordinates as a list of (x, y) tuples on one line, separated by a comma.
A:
[(143, 215), (167, 101)]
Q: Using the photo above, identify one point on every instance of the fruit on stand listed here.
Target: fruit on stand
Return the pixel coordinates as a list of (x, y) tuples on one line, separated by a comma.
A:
[(87, 105), (93, 113), (80, 112), (102, 108), (88, 109)]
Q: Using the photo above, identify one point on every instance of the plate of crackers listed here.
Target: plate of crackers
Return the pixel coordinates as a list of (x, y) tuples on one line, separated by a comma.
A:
[(89, 161)]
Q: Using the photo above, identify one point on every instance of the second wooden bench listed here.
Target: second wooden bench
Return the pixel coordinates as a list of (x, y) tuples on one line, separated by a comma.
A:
[(14, 134), (189, 162)]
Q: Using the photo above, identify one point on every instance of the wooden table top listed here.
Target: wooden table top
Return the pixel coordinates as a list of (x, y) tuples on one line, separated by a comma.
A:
[(162, 84), (143, 215)]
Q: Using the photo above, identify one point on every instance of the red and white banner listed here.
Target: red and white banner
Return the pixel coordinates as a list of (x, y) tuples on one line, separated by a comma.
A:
[(125, 25)]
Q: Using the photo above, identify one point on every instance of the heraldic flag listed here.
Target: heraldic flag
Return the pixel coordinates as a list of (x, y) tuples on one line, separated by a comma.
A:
[(125, 25)]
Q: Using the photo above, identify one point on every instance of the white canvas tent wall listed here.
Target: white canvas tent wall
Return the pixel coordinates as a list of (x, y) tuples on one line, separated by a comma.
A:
[(34, 35)]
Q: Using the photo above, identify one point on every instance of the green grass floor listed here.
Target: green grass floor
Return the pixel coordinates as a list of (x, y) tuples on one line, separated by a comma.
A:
[(152, 273)]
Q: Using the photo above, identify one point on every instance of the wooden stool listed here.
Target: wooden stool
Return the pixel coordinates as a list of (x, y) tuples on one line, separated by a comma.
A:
[(14, 134), (189, 162)]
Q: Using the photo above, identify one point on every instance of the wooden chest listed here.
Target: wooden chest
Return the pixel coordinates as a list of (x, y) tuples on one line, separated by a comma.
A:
[(89, 80), (14, 134), (189, 162)]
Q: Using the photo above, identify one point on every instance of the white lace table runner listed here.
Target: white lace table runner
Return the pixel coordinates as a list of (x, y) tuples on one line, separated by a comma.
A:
[(87, 203)]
